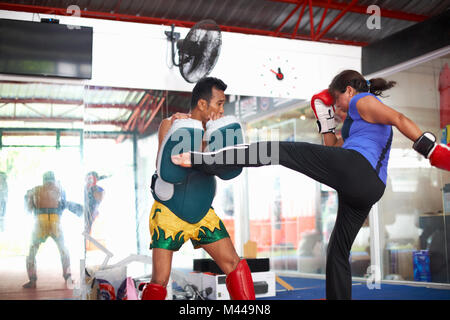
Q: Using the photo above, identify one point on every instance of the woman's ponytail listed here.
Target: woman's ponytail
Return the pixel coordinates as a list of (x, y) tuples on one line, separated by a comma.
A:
[(356, 81), (378, 85)]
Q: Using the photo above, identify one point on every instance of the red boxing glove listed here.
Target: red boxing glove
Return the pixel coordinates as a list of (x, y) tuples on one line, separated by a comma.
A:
[(322, 105), (440, 156)]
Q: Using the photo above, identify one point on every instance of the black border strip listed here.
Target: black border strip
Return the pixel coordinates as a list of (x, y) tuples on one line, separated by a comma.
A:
[(407, 44)]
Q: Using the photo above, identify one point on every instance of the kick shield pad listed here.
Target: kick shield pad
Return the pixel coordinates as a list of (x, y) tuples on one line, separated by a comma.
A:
[(188, 193), (221, 133), (184, 135)]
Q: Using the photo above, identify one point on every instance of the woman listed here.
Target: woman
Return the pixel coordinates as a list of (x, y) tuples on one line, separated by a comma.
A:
[(354, 165)]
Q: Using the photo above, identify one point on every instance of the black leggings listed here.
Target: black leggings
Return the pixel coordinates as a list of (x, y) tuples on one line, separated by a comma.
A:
[(347, 171)]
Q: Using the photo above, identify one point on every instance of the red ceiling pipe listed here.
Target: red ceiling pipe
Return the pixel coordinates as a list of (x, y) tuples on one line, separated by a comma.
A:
[(145, 110), (179, 23), (149, 107), (105, 122), (138, 116), (117, 6), (43, 101), (87, 134), (287, 18), (37, 119), (393, 14), (52, 119), (311, 19), (88, 87), (299, 20), (323, 16), (93, 14), (131, 123), (152, 116), (64, 102), (136, 112), (325, 40), (110, 106), (335, 20)]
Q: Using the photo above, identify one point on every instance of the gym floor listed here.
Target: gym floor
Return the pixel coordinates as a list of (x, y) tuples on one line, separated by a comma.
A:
[(313, 289), (51, 287)]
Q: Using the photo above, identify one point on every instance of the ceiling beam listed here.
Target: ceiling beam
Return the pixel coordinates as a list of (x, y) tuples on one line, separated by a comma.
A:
[(42, 101), (71, 102), (324, 14), (155, 110), (38, 119), (168, 22), (393, 14), (335, 20), (311, 19), (288, 17), (300, 16), (87, 134), (49, 119)]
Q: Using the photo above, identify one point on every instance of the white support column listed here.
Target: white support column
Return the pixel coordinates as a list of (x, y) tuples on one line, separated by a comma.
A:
[(375, 247), (242, 217)]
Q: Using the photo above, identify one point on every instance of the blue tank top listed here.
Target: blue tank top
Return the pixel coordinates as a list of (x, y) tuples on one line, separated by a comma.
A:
[(373, 141)]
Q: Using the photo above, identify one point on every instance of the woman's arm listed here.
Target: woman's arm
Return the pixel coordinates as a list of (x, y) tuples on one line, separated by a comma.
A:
[(330, 140), (374, 111)]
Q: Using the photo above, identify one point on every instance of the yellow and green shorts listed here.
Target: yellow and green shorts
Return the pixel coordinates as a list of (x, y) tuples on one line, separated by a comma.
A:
[(169, 232), (46, 225)]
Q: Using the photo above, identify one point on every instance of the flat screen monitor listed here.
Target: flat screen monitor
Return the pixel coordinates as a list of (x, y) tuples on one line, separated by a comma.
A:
[(45, 49)]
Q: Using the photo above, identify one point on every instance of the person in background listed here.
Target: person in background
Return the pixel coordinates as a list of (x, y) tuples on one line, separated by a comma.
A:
[(46, 202), (3, 199), (93, 196)]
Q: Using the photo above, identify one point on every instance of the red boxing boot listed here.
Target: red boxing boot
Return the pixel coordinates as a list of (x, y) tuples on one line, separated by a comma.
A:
[(153, 291), (240, 283)]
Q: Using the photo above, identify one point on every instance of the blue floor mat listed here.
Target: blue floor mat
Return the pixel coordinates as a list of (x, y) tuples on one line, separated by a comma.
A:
[(312, 289)]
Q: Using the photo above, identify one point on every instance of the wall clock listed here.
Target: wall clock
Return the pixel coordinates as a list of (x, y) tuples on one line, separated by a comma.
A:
[(279, 77)]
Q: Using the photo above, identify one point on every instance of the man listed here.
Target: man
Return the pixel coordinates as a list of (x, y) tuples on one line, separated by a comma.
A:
[(47, 201), (3, 198), (93, 196), (171, 224)]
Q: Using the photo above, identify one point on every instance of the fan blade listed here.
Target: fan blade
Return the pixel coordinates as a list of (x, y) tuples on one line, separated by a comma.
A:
[(200, 50)]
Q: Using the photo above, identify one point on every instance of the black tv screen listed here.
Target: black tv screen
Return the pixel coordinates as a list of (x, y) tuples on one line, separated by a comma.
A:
[(45, 49)]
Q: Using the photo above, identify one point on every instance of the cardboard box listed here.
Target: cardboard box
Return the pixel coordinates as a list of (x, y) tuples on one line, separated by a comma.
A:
[(214, 284)]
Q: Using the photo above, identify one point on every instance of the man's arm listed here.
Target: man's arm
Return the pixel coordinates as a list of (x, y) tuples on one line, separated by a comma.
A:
[(165, 126), (63, 200), (29, 200)]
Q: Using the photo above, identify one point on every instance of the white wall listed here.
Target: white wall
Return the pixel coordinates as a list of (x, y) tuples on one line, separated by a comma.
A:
[(137, 55)]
